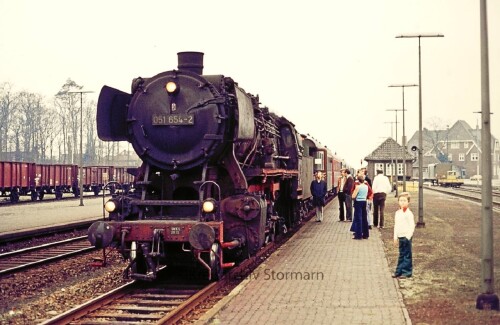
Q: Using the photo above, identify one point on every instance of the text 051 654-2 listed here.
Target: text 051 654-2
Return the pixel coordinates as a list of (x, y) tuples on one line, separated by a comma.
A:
[(173, 119)]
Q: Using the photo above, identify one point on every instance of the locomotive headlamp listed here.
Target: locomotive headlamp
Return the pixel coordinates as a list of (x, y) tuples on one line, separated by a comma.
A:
[(208, 206), (172, 88), (110, 206)]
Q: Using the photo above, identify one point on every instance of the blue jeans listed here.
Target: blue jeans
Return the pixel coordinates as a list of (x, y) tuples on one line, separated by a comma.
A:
[(405, 266), (360, 223)]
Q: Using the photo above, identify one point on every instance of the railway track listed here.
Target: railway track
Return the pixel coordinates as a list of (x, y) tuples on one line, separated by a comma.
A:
[(137, 302), (23, 200), (156, 303), (152, 303), (468, 194), (18, 260), (473, 189)]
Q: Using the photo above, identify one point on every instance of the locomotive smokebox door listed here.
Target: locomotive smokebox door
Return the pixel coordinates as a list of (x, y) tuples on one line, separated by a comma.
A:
[(177, 121), (201, 236)]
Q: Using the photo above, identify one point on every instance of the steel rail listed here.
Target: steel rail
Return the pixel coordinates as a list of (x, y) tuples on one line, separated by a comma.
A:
[(24, 258)]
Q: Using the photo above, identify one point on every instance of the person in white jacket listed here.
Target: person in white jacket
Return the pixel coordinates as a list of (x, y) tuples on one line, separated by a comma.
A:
[(404, 226), (381, 186)]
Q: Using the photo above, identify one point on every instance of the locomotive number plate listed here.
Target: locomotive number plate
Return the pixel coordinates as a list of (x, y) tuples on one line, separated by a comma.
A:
[(173, 119)]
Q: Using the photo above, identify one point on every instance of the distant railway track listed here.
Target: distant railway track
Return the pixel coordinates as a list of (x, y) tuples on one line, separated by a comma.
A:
[(18, 260), (4, 200), (468, 193), (40, 233), (477, 189)]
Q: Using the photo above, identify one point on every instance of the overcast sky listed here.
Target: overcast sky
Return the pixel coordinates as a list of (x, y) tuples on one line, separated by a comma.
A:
[(325, 65)]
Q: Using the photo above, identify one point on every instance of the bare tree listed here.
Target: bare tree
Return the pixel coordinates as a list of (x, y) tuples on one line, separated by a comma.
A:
[(90, 130), (8, 105), (68, 106), (28, 120), (49, 131), (434, 135), (36, 131)]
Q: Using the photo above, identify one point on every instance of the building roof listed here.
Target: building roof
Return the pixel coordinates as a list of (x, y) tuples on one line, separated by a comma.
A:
[(388, 150), (460, 131)]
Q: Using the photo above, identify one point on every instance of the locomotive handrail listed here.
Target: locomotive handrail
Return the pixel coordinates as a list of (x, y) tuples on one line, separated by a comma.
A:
[(164, 202), (212, 182), (104, 195), (216, 100), (218, 190)]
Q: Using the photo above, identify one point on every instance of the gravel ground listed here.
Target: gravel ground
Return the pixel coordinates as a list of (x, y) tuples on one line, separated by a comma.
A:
[(446, 261), (7, 247), (32, 296), (41, 293)]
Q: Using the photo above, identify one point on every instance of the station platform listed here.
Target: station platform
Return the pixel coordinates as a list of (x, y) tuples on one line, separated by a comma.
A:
[(320, 276), (26, 218)]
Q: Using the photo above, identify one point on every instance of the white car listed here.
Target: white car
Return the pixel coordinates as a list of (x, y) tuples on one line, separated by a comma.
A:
[(476, 178)]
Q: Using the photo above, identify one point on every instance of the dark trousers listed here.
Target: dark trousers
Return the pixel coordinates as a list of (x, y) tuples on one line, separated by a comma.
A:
[(360, 222), (405, 266), (341, 206), (348, 207), (378, 209)]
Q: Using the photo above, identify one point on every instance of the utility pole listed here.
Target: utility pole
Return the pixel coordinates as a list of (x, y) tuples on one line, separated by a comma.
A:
[(403, 142), (487, 299), (447, 141), (80, 176), (396, 156), (420, 222), (392, 152)]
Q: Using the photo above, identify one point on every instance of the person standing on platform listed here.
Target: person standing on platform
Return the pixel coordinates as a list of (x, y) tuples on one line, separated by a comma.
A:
[(348, 188), (381, 187), (404, 226), (360, 222), (318, 191), (369, 201), (341, 194)]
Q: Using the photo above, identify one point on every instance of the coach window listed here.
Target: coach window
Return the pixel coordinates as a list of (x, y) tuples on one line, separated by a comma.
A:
[(319, 161)]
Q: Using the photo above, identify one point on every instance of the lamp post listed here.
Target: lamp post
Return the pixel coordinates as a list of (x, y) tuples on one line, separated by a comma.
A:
[(447, 141), (487, 298), (420, 222), (404, 136), (392, 153), (396, 156), (80, 176)]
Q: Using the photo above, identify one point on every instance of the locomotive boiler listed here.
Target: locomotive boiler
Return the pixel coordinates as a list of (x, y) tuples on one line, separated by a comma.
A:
[(220, 172)]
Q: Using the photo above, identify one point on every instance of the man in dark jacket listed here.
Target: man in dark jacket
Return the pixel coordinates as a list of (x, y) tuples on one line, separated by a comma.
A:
[(341, 194), (348, 187), (318, 191)]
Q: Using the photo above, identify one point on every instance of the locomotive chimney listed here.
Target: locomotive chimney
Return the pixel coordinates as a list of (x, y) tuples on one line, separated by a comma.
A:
[(190, 61)]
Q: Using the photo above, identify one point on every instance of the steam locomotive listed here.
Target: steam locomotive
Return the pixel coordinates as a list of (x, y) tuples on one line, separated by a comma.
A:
[(221, 175)]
